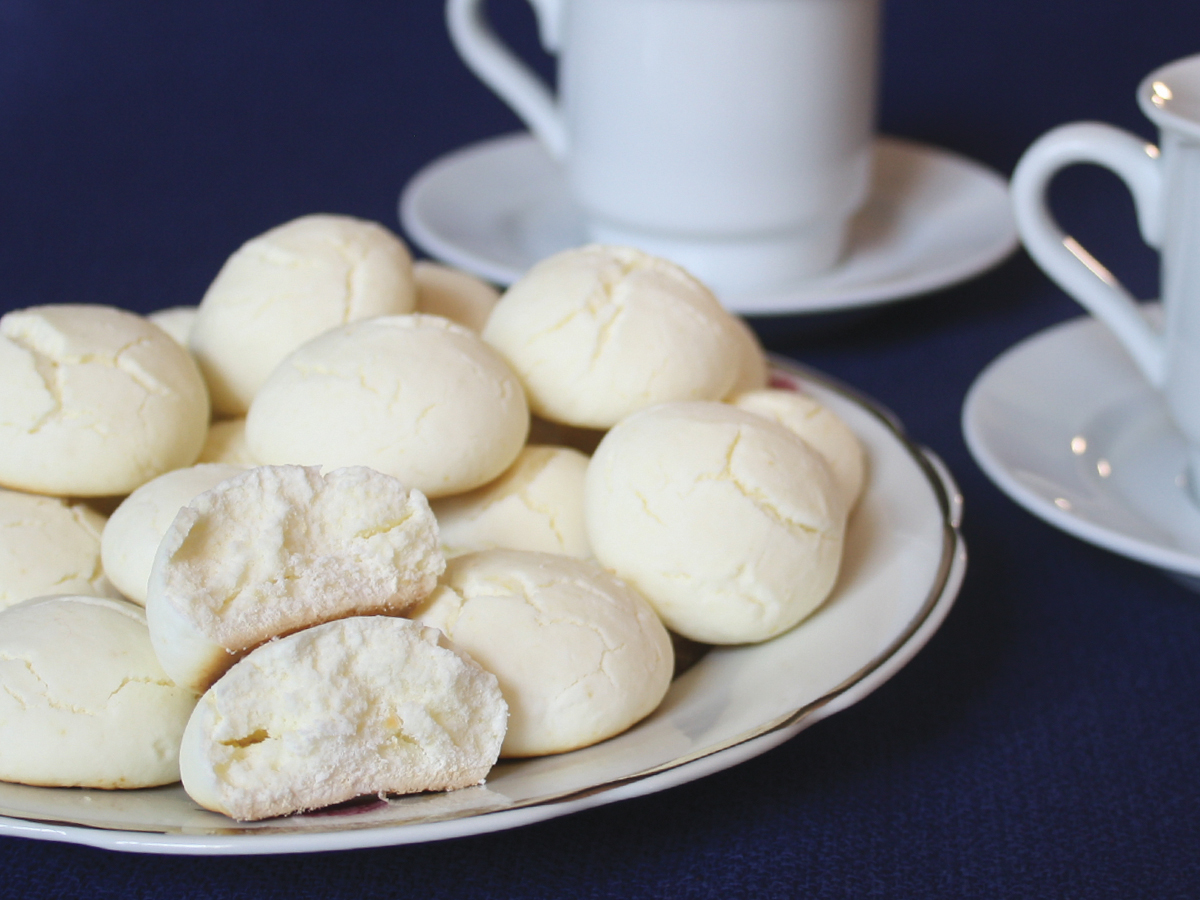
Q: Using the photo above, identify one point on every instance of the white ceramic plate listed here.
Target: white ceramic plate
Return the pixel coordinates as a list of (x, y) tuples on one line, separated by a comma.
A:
[(933, 218), (1065, 425), (903, 566)]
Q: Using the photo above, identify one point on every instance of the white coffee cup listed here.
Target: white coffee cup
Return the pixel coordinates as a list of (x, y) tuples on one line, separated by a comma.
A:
[(1165, 183), (732, 136)]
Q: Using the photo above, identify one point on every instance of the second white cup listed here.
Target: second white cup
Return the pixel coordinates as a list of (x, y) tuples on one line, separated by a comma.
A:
[(1165, 183), (732, 136)]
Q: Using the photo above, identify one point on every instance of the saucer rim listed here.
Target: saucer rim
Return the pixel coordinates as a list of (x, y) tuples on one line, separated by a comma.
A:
[(814, 298), (1075, 333)]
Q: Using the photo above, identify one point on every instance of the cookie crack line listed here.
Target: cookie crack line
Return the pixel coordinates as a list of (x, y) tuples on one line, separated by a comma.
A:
[(140, 679), (257, 736), (47, 693), (756, 496)]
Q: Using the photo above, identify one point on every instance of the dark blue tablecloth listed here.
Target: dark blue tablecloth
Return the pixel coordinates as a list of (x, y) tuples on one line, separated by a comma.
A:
[(1044, 744)]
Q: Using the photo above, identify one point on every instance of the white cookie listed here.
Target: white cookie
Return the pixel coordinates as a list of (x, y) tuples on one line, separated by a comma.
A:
[(136, 527), (580, 655), (537, 504), (226, 443), (598, 332), (754, 372), (95, 401), (820, 428), (366, 705), (50, 546), (285, 287), (279, 548), (83, 701), (176, 321), (453, 294), (417, 397), (729, 524)]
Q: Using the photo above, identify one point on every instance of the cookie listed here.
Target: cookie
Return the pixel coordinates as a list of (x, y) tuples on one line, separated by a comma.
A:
[(280, 548), (417, 397), (580, 655), (285, 287), (83, 700), (365, 705), (95, 402), (597, 332), (729, 524)]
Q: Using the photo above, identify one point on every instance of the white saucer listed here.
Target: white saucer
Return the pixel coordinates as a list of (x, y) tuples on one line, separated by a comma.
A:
[(1066, 425), (933, 218), (902, 569)]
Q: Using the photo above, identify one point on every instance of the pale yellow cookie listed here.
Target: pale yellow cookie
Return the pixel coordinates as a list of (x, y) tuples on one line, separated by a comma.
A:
[(537, 504), (598, 332), (754, 372), (279, 548), (820, 428), (418, 397), (226, 443), (285, 287), (176, 321), (95, 402), (366, 705), (453, 294), (135, 529), (49, 546), (730, 525), (83, 700), (579, 654)]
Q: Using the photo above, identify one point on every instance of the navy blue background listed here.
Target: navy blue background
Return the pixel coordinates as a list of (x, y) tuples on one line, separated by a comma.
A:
[(1043, 744)]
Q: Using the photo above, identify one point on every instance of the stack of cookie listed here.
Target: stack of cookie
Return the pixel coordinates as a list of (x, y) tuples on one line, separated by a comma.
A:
[(419, 526)]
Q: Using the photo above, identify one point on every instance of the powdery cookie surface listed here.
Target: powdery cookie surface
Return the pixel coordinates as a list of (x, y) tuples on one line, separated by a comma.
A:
[(417, 397), (580, 655), (83, 701), (280, 548), (453, 294), (285, 287), (49, 546), (367, 705), (95, 401), (820, 428), (597, 332), (728, 523), (136, 527), (537, 504)]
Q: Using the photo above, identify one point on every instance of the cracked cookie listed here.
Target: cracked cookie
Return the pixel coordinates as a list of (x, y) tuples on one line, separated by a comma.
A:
[(580, 655), (83, 700), (279, 548), (729, 524), (96, 401), (364, 705)]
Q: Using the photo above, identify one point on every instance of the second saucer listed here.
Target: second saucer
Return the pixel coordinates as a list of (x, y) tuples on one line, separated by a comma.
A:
[(1067, 427), (933, 218)]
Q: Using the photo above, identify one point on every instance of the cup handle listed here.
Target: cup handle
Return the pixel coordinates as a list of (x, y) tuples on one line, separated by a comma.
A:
[(1074, 269), (511, 79)]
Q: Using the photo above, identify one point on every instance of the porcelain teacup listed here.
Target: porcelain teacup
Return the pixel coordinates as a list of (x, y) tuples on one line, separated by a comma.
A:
[(1165, 182), (732, 136)]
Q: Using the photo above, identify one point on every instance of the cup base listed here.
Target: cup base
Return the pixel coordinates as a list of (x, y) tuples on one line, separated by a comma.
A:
[(734, 266)]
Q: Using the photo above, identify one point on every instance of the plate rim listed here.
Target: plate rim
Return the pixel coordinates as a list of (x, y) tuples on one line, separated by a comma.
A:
[(907, 642), (836, 298)]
